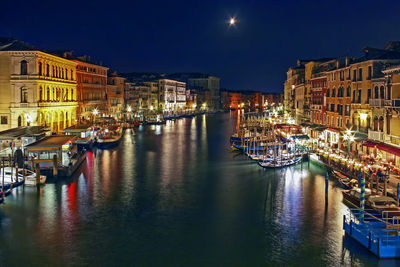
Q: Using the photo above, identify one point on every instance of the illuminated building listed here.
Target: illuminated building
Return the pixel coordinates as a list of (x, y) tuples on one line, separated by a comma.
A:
[(115, 95), (36, 88), (92, 87), (174, 94)]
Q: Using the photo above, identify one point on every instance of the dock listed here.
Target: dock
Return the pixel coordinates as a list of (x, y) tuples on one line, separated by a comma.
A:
[(379, 234)]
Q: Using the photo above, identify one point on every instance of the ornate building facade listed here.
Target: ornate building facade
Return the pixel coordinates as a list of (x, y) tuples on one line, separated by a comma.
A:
[(36, 88)]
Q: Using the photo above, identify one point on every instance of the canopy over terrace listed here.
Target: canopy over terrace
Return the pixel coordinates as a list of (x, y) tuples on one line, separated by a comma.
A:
[(385, 151)]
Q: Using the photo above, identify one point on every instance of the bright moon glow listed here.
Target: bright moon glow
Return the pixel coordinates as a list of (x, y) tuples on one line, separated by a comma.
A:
[(232, 21)]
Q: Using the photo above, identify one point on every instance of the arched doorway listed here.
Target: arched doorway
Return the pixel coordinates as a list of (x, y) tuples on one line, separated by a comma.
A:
[(19, 121)]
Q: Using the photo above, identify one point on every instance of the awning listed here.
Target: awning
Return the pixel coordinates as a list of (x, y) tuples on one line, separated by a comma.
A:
[(382, 146), (333, 130), (390, 149), (371, 144), (320, 129), (314, 125)]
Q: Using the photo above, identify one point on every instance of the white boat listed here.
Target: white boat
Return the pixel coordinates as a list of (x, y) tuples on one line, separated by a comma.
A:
[(30, 177)]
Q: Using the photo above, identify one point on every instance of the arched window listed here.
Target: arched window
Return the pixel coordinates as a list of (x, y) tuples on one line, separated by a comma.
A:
[(66, 74), (376, 92), (24, 67), (382, 93), (66, 95), (62, 95), (54, 72), (72, 94), (327, 92), (333, 92), (354, 96), (24, 95), (40, 69), (54, 94), (47, 70), (72, 75), (19, 121), (48, 94), (348, 91), (40, 94)]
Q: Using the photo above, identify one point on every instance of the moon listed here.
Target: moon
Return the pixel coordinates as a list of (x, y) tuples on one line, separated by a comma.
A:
[(232, 21)]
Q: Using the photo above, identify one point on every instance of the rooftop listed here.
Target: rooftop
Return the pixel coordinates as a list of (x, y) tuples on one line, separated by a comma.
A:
[(11, 44), (51, 141), (15, 133)]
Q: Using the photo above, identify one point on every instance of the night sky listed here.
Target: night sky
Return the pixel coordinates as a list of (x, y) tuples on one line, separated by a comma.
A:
[(194, 36)]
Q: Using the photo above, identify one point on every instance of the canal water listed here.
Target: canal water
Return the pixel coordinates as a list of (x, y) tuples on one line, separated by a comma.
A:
[(176, 195)]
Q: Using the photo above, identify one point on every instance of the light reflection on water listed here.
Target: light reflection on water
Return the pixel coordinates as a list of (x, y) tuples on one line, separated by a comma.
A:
[(176, 195)]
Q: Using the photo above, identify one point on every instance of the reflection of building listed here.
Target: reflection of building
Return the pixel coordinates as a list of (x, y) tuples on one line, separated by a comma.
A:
[(115, 95), (92, 88), (174, 94), (36, 88)]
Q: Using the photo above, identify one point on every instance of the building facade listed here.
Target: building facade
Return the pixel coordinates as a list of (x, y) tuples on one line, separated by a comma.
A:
[(174, 95), (115, 95), (37, 88), (92, 89)]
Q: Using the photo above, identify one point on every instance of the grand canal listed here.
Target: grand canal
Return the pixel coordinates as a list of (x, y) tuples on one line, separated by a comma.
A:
[(176, 195)]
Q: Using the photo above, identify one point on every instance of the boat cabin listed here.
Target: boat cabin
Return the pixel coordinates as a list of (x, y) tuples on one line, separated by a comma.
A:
[(357, 192), (44, 150), (382, 202)]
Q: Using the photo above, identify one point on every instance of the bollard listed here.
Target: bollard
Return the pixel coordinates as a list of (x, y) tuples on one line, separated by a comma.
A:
[(37, 174), (55, 166)]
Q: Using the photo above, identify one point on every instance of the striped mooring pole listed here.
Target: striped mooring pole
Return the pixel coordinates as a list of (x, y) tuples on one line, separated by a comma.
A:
[(398, 194), (326, 184), (362, 198)]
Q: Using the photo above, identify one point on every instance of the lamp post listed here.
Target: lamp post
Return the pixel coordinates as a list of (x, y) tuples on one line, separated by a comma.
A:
[(349, 137), (129, 109), (95, 112)]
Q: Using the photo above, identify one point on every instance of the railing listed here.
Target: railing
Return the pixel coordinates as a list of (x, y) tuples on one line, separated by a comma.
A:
[(396, 103), (377, 102), (375, 135)]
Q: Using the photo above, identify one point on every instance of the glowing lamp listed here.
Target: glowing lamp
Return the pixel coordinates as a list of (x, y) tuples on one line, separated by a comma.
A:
[(363, 116)]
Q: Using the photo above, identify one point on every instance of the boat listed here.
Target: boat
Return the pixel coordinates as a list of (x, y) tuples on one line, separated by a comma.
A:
[(25, 176), (241, 147), (279, 163), (374, 204), (9, 175), (84, 135), (345, 181), (109, 137)]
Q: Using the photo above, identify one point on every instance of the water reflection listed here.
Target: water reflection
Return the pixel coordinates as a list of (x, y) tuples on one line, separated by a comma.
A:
[(176, 195)]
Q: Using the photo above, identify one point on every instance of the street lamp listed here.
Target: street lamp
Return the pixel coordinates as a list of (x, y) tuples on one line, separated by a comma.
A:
[(349, 137)]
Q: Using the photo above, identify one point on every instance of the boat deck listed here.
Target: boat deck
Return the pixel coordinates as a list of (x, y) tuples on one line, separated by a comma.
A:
[(377, 235)]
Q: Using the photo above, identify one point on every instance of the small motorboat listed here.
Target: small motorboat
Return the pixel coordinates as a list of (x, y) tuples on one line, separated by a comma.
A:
[(30, 177), (345, 181)]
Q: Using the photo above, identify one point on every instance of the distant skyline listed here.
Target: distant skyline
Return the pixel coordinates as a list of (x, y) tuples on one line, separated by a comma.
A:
[(195, 36)]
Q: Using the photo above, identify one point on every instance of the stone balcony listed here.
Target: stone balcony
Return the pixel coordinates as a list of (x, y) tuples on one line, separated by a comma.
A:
[(380, 103), (376, 135)]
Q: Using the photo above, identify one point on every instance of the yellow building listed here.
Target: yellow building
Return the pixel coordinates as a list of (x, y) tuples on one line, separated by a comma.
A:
[(36, 88)]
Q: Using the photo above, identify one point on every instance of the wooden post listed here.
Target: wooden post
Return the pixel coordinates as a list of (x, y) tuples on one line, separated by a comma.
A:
[(16, 171), (37, 174), (55, 166), (2, 188)]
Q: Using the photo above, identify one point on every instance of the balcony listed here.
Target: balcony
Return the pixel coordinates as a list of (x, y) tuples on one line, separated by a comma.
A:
[(396, 103), (375, 135), (377, 103)]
